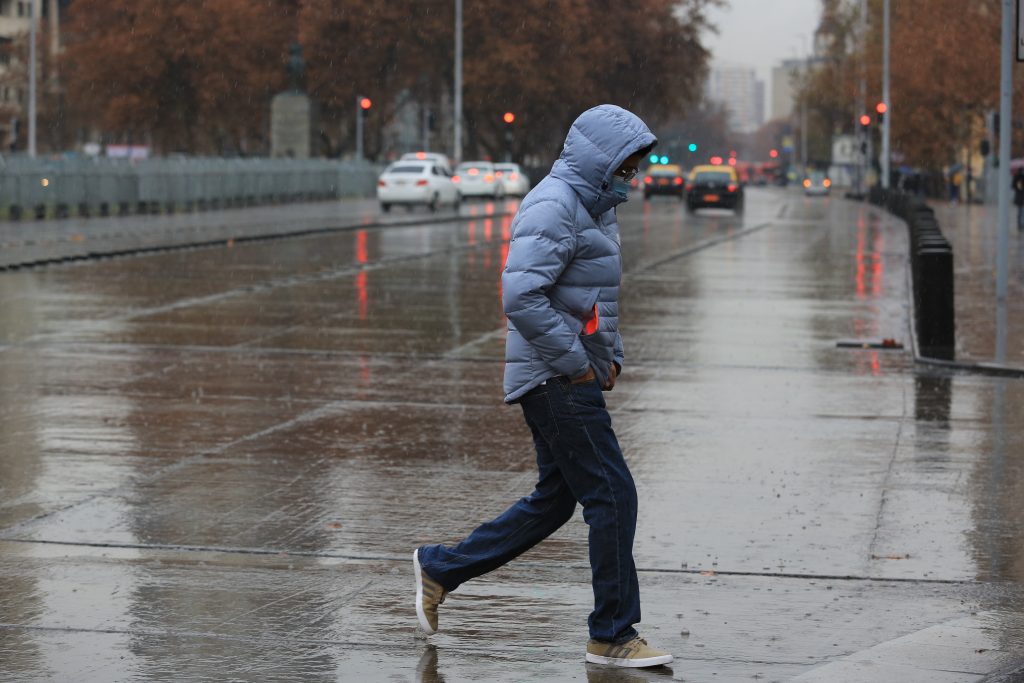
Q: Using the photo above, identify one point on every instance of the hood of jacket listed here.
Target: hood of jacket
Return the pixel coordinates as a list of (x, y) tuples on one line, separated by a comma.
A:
[(597, 144)]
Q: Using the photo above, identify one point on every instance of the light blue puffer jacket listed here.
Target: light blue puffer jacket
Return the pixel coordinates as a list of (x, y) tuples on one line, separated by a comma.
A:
[(563, 261)]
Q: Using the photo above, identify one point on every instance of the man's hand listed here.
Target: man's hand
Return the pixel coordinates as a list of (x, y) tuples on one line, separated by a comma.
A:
[(586, 377), (613, 371)]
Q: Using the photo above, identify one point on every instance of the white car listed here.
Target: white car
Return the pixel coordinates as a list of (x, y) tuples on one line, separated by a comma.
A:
[(416, 182), (478, 179), (515, 181), (817, 184), (433, 157)]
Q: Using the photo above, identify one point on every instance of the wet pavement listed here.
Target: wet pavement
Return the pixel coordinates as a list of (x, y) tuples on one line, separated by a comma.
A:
[(219, 460)]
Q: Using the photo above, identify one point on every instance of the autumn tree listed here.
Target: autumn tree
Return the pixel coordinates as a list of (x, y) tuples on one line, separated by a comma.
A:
[(182, 75), (51, 114), (944, 67), (545, 60)]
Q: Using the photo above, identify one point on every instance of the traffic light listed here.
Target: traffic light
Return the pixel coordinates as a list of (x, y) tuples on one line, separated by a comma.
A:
[(880, 110), (508, 118), (664, 160), (693, 147), (774, 154), (865, 120), (365, 103), (653, 159)]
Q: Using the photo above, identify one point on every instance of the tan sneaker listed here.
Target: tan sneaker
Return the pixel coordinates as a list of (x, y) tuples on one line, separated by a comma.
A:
[(429, 594), (634, 653)]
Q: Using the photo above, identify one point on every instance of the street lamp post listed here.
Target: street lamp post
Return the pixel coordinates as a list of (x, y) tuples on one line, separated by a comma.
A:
[(457, 142), (1003, 176), (32, 79)]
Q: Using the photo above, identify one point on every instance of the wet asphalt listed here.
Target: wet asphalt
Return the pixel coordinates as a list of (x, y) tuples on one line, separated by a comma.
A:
[(214, 463)]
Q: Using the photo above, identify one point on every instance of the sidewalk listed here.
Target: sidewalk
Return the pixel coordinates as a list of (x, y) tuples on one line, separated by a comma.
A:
[(972, 231), (29, 241), (226, 468)]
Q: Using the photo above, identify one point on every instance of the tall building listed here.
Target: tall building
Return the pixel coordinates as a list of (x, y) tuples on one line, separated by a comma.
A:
[(783, 92), (738, 88)]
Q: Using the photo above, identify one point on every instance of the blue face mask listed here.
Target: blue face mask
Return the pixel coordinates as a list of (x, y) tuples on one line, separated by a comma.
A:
[(620, 187)]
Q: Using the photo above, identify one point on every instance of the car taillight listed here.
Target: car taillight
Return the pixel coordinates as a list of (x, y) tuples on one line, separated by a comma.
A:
[(474, 171), (456, 178), (499, 173), (513, 176), (421, 183), (827, 183), (648, 180), (678, 181), (381, 183), (689, 187), (488, 178), (733, 188)]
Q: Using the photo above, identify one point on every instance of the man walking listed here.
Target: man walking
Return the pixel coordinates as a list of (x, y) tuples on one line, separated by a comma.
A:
[(560, 294)]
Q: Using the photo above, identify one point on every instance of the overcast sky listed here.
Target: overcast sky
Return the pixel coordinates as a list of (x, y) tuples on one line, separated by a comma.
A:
[(762, 33)]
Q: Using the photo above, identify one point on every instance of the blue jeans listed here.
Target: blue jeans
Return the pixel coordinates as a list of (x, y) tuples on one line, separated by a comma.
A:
[(578, 461)]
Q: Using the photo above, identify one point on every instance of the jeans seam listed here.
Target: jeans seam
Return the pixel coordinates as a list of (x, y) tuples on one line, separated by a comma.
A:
[(615, 503)]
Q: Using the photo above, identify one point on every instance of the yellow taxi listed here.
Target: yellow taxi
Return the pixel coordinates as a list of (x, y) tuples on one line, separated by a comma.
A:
[(664, 179), (714, 187)]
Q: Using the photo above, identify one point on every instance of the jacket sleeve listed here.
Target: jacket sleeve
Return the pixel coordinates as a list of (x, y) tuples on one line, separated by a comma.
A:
[(619, 352), (543, 244)]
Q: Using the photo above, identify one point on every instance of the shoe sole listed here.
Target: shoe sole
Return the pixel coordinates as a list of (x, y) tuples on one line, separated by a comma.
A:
[(420, 614), (630, 663)]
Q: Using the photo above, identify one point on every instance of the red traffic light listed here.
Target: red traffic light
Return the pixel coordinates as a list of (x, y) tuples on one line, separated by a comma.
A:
[(881, 107), (509, 117), (865, 120), (365, 103), (774, 153)]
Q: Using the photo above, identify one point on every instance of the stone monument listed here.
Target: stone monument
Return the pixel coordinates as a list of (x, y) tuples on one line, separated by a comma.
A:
[(293, 115)]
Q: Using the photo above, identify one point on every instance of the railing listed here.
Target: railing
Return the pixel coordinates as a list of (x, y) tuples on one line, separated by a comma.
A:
[(48, 188), (931, 267)]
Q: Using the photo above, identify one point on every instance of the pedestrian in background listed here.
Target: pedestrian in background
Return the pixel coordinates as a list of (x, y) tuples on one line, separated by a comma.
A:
[(1018, 196), (560, 294)]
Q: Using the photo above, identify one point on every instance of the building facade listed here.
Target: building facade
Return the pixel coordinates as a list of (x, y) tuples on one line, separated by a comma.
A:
[(740, 91), (15, 25)]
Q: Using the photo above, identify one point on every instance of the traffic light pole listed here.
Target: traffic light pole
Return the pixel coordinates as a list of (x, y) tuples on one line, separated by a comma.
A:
[(359, 127), (887, 122), (864, 130)]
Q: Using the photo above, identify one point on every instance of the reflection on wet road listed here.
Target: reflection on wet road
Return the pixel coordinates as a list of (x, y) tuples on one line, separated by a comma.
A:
[(220, 459)]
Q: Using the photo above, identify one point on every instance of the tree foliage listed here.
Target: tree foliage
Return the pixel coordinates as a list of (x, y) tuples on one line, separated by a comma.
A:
[(944, 71), (183, 75), (198, 77)]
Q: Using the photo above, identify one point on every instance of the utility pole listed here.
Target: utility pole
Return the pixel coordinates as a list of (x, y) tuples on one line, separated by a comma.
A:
[(1003, 175), (32, 79), (887, 123), (457, 146), (865, 131)]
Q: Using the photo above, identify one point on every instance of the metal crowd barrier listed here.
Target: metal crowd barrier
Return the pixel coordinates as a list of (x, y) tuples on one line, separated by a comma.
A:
[(61, 187)]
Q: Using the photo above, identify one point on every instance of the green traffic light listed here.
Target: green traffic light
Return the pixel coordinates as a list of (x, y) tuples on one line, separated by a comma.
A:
[(693, 146), (654, 158), (664, 160)]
